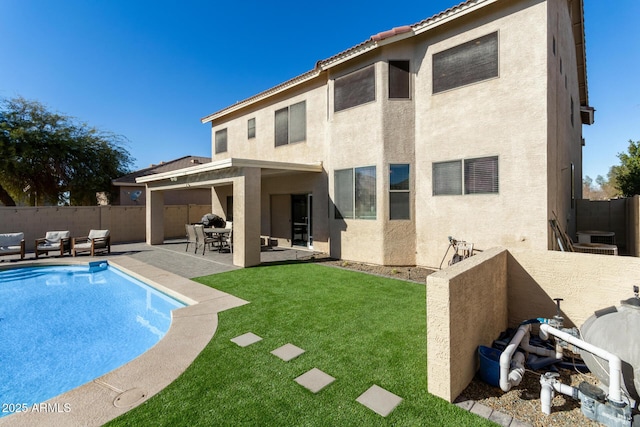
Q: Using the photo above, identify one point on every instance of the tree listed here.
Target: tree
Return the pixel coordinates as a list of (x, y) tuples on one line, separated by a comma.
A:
[(604, 188), (627, 174), (49, 158)]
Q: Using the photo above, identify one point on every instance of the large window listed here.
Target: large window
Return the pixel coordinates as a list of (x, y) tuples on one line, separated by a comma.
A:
[(473, 176), (291, 124), (221, 141), (355, 193), (354, 89), (399, 79), (467, 63), (399, 194)]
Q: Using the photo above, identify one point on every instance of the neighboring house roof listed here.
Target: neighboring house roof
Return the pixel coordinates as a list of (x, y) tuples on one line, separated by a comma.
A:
[(400, 33), (162, 167)]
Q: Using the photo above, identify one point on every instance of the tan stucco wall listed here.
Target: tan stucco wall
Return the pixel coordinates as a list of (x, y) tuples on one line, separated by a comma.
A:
[(466, 307), (564, 147), (522, 117), (468, 304), (585, 282), (262, 147), (506, 117), (125, 223)]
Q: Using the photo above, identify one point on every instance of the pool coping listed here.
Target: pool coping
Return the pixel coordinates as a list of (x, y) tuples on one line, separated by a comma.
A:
[(128, 386)]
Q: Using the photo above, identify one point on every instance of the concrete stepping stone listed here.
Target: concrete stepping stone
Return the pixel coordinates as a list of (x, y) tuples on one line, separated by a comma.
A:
[(314, 380), (287, 352), (246, 339), (379, 400)]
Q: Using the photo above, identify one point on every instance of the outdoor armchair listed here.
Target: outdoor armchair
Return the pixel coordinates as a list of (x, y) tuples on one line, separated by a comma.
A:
[(203, 239), (12, 244), (96, 241), (54, 241)]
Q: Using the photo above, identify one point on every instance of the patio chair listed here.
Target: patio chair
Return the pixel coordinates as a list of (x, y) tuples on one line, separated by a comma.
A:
[(53, 241), (203, 239), (96, 241), (12, 244), (191, 237), (226, 240)]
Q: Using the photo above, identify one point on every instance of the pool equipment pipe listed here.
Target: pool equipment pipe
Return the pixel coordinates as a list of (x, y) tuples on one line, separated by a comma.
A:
[(615, 364), (512, 362)]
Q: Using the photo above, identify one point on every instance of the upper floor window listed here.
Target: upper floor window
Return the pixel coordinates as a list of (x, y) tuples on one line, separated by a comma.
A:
[(221, 141), (291, 124), (356, 88), (251, 128), (467, 63), (474, 176), (355, 193), (399, 79), (399, 195)]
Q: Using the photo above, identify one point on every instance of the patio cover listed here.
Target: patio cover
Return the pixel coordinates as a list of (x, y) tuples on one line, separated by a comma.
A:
[(244, 174)]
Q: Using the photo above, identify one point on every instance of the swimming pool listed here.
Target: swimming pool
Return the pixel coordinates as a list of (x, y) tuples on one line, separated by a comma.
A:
[(63, 326)]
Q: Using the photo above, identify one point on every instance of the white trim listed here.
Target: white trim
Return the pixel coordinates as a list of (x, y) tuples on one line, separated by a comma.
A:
[(230, 163)]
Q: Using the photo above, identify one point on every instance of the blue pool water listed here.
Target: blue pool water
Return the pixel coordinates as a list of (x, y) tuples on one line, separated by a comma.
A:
[(63, 326)]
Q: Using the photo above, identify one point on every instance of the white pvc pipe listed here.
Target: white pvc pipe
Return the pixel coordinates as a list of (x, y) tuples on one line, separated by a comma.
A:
[(505, 357), (615, 364)]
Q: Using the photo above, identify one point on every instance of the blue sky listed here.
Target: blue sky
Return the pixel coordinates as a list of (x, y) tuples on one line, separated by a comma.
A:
[(150, 70)]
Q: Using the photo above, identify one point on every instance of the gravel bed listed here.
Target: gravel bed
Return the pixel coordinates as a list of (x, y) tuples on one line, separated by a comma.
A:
[(523, 401)]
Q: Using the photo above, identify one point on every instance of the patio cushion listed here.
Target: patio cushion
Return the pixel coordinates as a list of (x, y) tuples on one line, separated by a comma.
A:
[(95, 234), (52, 239), (12, 243), (8, 240), (55, 236)]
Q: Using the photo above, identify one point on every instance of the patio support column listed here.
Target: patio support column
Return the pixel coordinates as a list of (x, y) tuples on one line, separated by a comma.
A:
[(246, 218), (155, 217)]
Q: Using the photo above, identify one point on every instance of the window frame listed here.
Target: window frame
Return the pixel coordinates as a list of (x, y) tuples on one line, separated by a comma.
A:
[(285, 118), (360, 195), (348, 93), (404, 213), (251, 128), (221, 141), (463, 187), (395, 75), (456, 62)]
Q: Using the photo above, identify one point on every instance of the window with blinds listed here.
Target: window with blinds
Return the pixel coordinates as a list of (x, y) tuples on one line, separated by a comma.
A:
[(474, 176), (447, 178), (481, 175), (291, 124), (221, 141), (465, 64), (356, 88)]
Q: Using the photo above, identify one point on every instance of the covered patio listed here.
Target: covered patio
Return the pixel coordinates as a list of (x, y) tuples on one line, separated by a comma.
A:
[(244, 176)]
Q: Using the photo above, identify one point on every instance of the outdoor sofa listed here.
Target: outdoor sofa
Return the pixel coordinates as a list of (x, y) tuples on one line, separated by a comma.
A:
[(12, 244)]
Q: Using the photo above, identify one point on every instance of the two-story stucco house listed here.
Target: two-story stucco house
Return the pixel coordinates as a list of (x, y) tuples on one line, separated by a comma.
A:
[(466, 124)]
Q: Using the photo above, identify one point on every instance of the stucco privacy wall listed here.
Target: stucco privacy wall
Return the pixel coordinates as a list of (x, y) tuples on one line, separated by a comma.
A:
[(610, 215), (126, 223), (466, 307), (470, 303)]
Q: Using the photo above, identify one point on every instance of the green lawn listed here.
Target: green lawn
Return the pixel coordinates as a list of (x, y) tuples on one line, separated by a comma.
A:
[(360, 329)]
